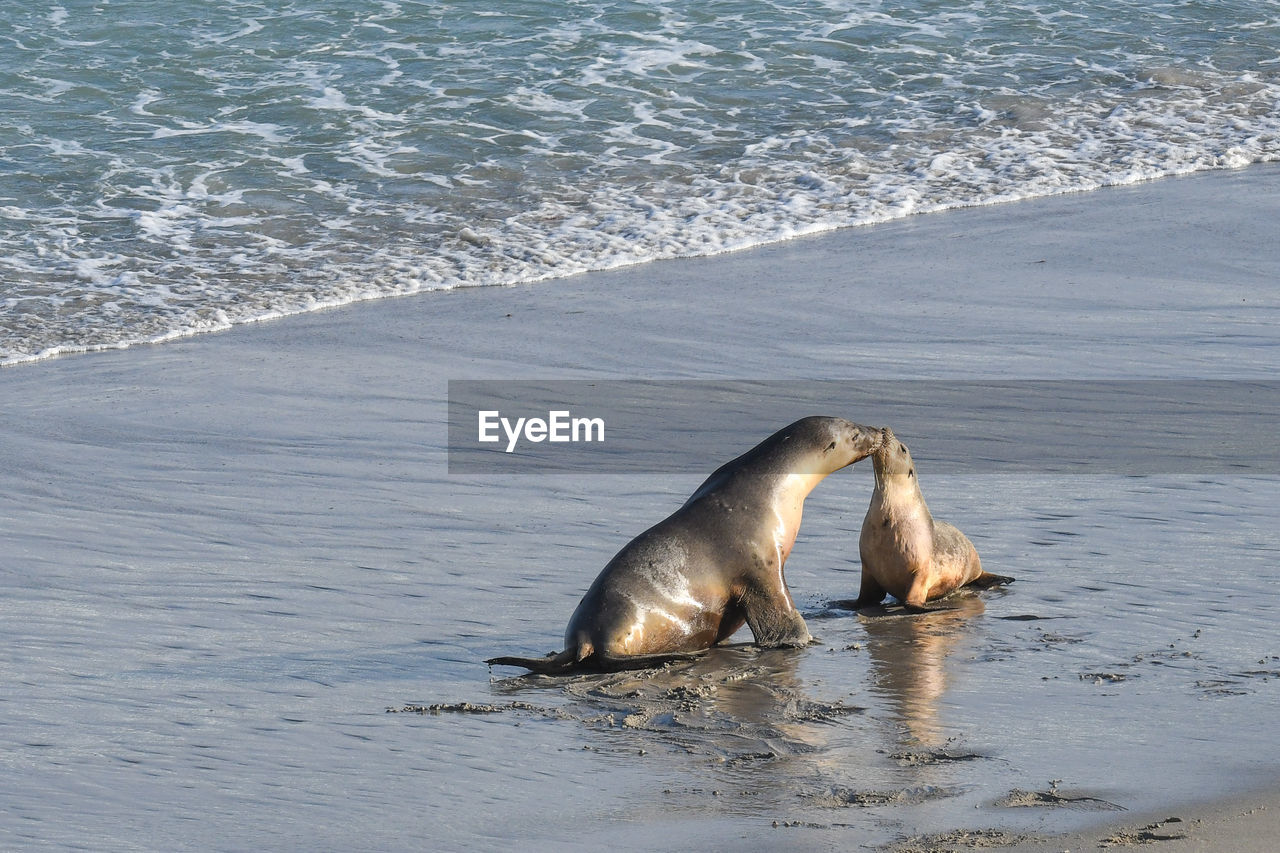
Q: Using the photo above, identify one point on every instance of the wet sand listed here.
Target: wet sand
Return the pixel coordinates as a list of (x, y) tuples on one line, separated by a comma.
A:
[(1248, 824), (231, 557)]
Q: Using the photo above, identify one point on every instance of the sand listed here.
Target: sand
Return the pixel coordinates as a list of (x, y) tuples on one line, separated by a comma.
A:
[(228, 556), (1248, 824)]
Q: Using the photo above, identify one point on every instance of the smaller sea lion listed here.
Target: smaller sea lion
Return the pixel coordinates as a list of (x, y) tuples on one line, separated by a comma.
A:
[(905, 551)]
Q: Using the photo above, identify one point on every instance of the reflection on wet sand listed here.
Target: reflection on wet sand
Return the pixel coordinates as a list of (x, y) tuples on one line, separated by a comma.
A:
[(739, 730), (740, 703), (908, 663), (731, 699), (737, 720)]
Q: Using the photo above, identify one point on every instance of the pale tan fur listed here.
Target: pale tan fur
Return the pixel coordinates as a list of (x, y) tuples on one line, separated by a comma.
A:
[(905, 551)]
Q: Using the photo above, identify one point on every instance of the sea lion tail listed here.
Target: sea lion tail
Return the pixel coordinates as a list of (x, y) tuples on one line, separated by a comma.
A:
[(552, 664)]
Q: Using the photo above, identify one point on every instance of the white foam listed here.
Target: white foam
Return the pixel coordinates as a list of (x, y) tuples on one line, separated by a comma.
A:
[(333, 99), (250, 27), (267, 132), (66, 148)]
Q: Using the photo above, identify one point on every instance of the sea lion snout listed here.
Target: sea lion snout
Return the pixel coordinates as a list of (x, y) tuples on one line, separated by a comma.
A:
[(892, 458), (866, 440), (885, 443)]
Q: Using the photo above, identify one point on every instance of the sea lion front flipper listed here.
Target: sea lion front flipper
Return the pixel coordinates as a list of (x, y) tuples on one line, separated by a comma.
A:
[(926, 608), (859, 603), (917, 598), (776, 623), (869, 593)]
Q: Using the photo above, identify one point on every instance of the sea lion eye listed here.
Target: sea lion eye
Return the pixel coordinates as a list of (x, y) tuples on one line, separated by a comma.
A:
[(902, 447)]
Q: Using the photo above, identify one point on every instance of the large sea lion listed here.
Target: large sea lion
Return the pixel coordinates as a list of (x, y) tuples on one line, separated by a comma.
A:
[(905, 551), (692, 579)]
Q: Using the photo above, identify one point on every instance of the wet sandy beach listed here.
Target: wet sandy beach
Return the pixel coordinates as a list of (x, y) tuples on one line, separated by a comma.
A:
[(247, 603)]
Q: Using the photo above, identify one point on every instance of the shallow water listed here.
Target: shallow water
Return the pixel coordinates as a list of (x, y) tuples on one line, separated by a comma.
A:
[(205, 666), (1107, 670)]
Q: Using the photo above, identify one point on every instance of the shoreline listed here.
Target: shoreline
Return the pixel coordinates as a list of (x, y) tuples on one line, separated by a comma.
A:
[(234, 551), (637, 268)]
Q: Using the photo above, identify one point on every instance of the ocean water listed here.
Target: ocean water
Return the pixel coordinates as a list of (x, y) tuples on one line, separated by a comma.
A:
[(171, 168)]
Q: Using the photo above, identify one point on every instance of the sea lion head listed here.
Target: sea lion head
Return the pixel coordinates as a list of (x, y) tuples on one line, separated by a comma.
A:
[(892, 458), (831, 443)]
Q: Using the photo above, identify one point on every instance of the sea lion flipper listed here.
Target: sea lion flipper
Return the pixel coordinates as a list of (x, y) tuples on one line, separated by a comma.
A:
[(926, 608), (916, 600), (603, 662), (859, 603), (870, 592), (986, 580), (555, 663), (773, 626), (568, 661)]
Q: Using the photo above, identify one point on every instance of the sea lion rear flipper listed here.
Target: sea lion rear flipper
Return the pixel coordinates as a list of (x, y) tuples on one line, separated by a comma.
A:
[(568, 661), (986, 580), (552, 664), (604, 662)]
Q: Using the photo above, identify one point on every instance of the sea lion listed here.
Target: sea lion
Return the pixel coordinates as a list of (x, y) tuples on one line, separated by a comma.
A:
[(905, 551), (692, 579)]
